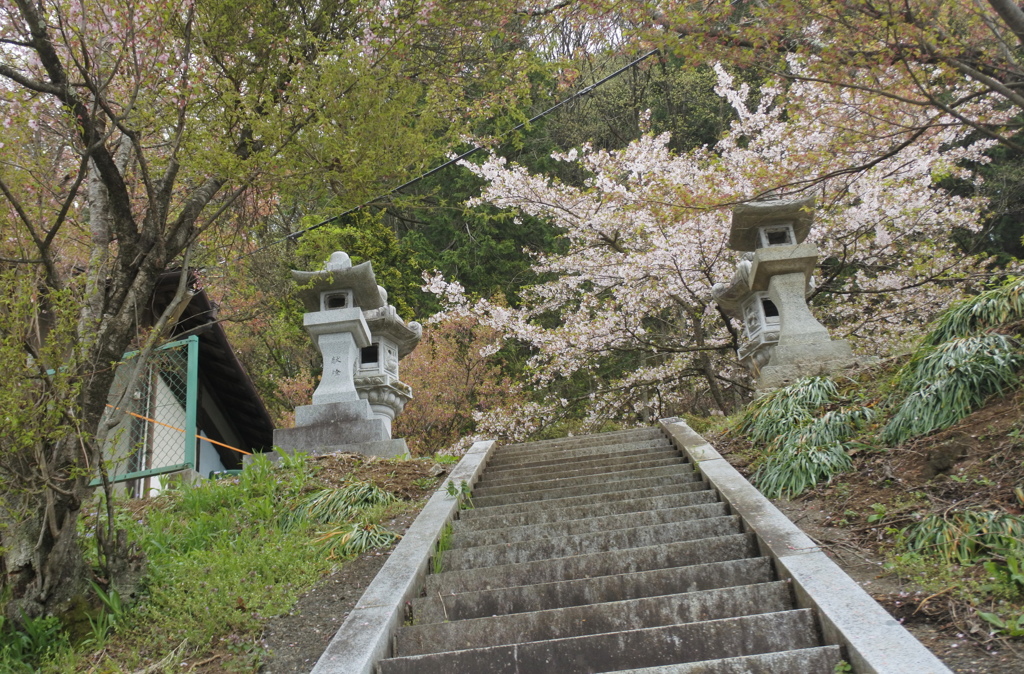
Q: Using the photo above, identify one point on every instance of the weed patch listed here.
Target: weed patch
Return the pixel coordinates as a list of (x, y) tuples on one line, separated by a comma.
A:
[(965, 537), (805, 442), (951, 380), (222, 557), (27, 647), (444, 543)]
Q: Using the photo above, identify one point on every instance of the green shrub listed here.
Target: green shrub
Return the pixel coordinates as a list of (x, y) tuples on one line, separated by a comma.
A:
[(778, 412), (990, 309), (949, 381), (803, 444), (966, 537), (960, 363), (810, 453)]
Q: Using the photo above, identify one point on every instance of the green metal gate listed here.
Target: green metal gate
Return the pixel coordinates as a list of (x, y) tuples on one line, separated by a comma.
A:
[(157, 433)]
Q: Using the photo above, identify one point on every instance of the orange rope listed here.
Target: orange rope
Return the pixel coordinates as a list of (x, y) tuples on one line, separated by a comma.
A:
[(180, 430)]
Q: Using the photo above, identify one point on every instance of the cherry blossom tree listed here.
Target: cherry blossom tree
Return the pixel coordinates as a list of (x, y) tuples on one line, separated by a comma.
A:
[(629, 307), (133, 133)]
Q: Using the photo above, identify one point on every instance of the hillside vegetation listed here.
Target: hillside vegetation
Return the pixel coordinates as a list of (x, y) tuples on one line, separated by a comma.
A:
[(919, 458), (218, 560)]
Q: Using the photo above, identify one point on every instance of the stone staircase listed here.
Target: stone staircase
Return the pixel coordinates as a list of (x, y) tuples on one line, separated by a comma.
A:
[(604, 553)]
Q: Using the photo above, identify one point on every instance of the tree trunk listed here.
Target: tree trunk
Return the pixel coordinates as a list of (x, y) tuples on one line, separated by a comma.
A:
[(44, 564), (706, 366), (48, 483)]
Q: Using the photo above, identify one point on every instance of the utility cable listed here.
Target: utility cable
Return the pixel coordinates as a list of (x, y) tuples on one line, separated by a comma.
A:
[(294, 236)]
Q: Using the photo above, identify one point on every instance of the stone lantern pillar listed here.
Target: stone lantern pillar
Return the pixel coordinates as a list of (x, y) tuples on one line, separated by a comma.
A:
[(376, 378), (352, 326), (768, 294)]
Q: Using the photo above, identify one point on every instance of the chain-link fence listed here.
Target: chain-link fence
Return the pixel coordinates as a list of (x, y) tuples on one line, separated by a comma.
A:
[(157, 430)]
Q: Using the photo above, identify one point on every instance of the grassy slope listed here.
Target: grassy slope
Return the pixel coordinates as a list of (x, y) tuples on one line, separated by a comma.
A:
[(943, 507), (222, 558)]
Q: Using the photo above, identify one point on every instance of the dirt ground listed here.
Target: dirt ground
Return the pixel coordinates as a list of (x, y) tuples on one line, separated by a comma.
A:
[(926, 616), (295, 641), (977, 462), (411, 480)]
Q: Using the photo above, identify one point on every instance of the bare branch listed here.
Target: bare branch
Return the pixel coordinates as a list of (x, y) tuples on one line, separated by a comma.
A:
[(29, 83), (83, 171)]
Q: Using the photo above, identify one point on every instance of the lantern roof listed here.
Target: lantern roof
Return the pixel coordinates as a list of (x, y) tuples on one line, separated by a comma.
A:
[(386, 322), (339, 274), (748, 218)]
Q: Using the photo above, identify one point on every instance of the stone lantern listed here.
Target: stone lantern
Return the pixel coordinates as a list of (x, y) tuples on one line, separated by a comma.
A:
[(768, 294), (391, 339), (360, 338)]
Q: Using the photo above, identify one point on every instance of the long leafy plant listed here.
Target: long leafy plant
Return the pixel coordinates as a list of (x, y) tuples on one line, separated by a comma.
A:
[(805, 442), (970, 354)]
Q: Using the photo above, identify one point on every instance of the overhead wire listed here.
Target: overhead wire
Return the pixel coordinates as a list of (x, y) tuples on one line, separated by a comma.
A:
[(294, 236)]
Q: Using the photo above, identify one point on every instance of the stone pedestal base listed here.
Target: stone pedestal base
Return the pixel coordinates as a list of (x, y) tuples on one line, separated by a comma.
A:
[(339, 427), (810, 359), (386, 449)]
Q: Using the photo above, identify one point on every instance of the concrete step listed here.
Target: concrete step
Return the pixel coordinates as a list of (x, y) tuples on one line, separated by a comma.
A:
[(636, 486), (606, 563), (555, 461), (629, 435), (584, 544), (517, 516), (578, 467), (584, 500), (541, 481), (501, 461), (506, 534), (610, 554), (821, 660), (619, 587), (617, 616), (609, 652)]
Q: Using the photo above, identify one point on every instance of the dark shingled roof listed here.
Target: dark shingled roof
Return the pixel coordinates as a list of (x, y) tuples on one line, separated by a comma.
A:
[(220, 371)]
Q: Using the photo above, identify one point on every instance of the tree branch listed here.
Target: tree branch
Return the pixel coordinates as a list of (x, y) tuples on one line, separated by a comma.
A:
[(545, 11), (42, 245), (88, 132), (1012, 15), (83, 170), (29, 83)]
